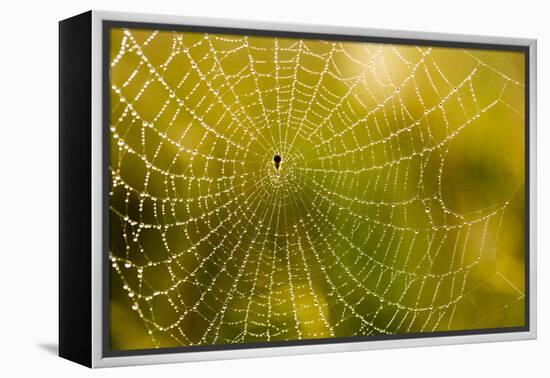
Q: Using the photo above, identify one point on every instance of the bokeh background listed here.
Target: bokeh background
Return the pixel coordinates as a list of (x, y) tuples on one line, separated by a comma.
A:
[(398, 206)]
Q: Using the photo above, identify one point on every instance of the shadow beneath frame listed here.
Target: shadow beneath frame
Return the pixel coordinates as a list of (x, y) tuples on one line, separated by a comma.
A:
[(51, 348)]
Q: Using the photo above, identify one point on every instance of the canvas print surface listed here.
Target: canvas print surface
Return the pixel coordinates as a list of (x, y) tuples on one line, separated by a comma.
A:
[(266, 189)]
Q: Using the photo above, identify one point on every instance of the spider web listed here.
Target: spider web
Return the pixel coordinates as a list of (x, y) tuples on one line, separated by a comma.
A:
[(351, 235)]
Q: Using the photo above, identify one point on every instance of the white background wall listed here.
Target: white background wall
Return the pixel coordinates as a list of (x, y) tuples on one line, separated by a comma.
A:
[(28, 185)]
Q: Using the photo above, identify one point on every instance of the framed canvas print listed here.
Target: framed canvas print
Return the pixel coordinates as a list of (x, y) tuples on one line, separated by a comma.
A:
[(234, 189)]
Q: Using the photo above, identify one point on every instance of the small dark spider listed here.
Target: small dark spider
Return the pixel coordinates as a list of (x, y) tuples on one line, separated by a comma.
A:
[(277, 159)]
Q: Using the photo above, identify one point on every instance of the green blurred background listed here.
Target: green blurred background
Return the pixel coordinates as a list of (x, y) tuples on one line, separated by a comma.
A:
[(398, 206)]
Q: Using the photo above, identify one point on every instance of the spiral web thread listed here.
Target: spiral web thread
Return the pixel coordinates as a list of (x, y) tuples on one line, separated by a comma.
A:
[(212, 244)]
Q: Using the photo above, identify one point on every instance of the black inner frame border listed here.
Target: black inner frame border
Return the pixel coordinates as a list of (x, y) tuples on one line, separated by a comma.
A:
[(107, 25)]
